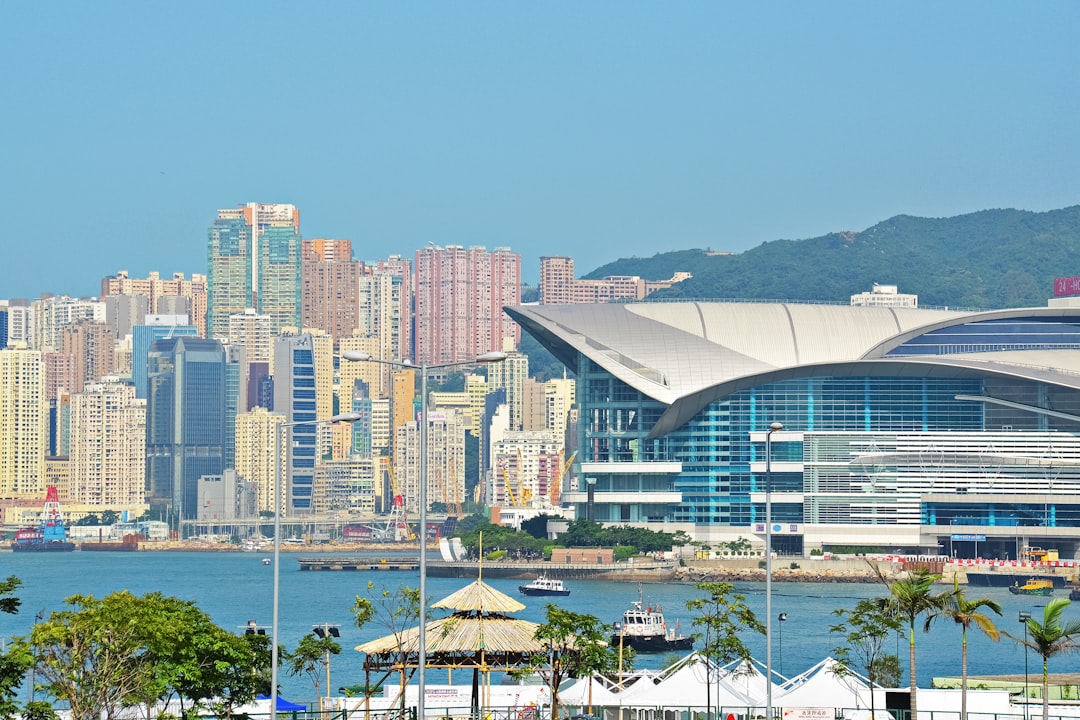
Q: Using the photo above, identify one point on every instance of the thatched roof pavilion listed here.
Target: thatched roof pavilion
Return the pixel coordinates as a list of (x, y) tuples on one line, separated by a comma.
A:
[(477, 635)]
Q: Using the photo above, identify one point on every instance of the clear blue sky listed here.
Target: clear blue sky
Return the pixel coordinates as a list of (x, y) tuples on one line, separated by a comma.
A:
[(593, 129)]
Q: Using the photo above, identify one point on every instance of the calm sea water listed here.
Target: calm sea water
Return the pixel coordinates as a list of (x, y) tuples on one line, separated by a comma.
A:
[(234, 588)]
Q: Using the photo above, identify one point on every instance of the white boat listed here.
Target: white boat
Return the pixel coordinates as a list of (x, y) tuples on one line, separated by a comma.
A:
[(543, 585)]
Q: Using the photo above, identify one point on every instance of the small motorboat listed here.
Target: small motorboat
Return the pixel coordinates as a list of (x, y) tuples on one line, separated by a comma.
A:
[(543, 585), (1034, 586), (644, 629), (267, 561)]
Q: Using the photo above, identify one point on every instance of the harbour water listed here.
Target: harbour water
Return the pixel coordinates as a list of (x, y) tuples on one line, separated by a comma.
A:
[(235, 588)]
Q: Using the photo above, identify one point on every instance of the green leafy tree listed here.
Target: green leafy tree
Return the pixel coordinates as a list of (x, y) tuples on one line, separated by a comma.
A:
[(1049, 638), (577, 647), (397, 610), (88, 520), (103, 656), (109, 517), (965, 613), (913, 597), (724, 618), (310, 657), (865, 630)]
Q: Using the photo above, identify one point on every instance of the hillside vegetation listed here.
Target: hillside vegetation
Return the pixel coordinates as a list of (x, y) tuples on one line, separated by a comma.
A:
[(987, 259)]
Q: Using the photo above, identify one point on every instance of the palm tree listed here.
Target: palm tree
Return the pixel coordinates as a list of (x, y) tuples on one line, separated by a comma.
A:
[(965, 613), (1050, 638), (913, 596)]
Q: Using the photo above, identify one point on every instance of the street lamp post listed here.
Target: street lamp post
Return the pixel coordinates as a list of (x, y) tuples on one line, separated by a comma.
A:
[(1024, 617), (279, 467), (780, 641), (322, 632), (768, 568), (421, 495)]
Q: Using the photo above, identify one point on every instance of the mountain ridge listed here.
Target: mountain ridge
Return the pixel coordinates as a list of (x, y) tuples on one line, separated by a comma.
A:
[(992, 258)]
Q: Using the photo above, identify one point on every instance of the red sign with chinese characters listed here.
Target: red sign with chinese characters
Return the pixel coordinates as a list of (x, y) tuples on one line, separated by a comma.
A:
[(1066, 286)]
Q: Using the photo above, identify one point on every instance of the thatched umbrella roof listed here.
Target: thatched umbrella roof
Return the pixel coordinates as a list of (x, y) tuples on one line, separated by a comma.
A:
[(478, 634)]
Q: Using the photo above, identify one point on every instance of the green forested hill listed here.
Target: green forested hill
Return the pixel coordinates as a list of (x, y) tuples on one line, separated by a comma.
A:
[(988, 259)]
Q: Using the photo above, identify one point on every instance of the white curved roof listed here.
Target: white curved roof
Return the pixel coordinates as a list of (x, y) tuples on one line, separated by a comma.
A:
[(686, 354)]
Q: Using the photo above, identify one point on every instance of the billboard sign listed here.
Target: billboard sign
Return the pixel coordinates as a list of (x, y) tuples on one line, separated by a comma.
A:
[(1066, 286)]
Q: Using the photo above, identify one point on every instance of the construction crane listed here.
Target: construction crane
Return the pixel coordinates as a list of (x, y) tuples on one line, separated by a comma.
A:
[(556, 486), (397, 525), (524, 493), (506, 484)]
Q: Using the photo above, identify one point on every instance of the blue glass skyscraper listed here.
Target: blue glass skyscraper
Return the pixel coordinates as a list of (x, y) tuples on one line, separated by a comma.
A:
[(185, 422)]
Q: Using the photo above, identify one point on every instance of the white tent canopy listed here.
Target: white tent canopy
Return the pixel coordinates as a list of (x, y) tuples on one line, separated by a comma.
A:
[(829, 684), (692, 682), (577, 694)]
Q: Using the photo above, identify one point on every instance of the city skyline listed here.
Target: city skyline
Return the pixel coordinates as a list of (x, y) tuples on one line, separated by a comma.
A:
[(597, 131)]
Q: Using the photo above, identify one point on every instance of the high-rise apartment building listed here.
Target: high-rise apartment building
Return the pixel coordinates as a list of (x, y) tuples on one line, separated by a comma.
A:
[(510, 375), (556, 277), (93, 347), (401, 322), (20, 317), (383, 311), (108, 446), (254, 262), (164, 294), (255, 461), (52, 313), (445, 460), (23, 422), (185, 424), (460, 294), (328, 280)]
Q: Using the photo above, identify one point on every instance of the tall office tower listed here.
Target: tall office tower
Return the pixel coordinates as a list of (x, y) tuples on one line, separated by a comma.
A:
[(560, 395), (510, 375), (255, 460), (460, 295), (157, 327), (93, 347), (123, 312), (254, 260), (556, 277), (376, 376), (399, 267), (59, 427), (108, 446), (54, 312), (328, 287), (260, 389), (361, 429), (3, 324), (23, 422), (60, 374), (295, 398), (445, 460), (235, 397), (20, 322), (185, 422), (163, 295)]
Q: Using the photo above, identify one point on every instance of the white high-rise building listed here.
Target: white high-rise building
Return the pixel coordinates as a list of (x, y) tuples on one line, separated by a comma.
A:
[(108, 446), (255, 461), (24, 422)]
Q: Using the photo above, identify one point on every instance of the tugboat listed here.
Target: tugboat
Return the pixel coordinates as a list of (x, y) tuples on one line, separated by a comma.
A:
[(50, 535), (1034, 586), (543, 585), (644, 629)]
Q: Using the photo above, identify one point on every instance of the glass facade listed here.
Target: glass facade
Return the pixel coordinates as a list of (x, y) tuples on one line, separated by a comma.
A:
[(916, 424)]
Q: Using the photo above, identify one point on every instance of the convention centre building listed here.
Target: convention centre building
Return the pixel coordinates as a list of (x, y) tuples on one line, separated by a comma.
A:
[(904, 429)]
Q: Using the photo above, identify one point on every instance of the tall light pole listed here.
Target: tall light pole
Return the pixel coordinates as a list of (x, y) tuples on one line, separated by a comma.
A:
[(421, 496), (780, 641), (279, 468), (1024, 617), (768, 568)]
